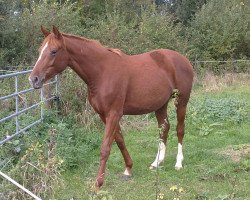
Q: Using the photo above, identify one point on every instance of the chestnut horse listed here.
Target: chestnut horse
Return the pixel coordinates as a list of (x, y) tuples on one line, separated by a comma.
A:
[(120, 84)]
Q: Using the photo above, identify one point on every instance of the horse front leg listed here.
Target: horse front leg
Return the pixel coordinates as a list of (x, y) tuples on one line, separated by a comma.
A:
[(121, 145), (112, 122)]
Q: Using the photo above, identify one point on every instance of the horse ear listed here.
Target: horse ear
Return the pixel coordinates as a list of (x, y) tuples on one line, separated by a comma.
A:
[(45, 31), (56, 32)]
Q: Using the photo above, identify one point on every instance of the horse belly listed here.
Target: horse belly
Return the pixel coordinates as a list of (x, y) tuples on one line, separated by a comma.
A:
[(147, 94)]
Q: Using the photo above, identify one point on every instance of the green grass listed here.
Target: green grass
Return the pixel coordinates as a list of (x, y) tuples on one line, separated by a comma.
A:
[(207, 172)]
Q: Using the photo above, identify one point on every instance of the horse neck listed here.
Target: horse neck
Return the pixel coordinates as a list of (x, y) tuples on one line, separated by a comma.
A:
[(86, 58)]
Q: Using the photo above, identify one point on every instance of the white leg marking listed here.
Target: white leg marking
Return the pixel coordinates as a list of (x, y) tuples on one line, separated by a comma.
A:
[(127, 172), (160, 155), (179, 158)]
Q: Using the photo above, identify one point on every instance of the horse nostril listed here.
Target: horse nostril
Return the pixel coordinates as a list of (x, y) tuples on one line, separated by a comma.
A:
[(35, 79)]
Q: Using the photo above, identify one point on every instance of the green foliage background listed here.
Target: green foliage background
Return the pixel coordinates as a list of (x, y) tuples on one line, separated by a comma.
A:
[(204, 29)]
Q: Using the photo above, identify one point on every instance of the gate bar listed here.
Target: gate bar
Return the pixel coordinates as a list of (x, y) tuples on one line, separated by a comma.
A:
[(19, 132), (20, 186)]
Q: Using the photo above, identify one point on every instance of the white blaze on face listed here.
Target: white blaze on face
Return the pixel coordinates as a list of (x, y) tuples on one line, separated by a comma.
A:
[(179, 157), (39, 58), (160, 155), (41, 54)]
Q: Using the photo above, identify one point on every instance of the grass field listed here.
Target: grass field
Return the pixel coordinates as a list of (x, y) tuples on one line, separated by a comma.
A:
[(216, 151), (216, 154)]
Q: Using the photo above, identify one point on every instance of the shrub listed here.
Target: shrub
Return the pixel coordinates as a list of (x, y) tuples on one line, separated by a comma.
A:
[(220, 30), (38, 170), (22, 37), (74, 144), (148, 31), (210, 114)]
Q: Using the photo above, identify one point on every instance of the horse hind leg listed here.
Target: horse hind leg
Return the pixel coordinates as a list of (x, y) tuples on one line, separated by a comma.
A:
[(163, 124), (181, 106), (121, 145)]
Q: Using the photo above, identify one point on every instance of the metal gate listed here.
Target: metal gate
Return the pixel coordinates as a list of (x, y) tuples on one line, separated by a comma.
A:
[(16, 96), (18, 112)]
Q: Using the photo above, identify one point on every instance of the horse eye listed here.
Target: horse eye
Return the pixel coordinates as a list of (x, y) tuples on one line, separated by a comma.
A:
[(53, 52)]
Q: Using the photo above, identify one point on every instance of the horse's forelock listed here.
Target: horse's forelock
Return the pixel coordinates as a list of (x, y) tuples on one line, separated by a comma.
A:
[(43, 44), (52, 43)]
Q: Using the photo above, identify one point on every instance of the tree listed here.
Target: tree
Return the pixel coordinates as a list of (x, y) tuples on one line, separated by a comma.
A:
[(21, 35), (220, 31), (152, 30), (184, 10)]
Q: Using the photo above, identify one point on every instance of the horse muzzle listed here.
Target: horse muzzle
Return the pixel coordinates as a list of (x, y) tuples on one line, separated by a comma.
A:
[(36, 82)]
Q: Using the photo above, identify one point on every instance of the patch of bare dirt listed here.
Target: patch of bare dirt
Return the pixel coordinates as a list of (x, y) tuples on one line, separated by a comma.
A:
[(236, 153)]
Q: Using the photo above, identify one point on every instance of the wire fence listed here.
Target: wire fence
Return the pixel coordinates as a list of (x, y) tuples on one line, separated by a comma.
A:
[(220, 67)]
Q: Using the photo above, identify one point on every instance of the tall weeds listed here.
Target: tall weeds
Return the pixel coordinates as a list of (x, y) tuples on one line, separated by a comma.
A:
[(37, 170)]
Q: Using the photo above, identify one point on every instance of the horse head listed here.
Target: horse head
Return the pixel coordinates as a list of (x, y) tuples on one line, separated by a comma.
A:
[(53, 58)]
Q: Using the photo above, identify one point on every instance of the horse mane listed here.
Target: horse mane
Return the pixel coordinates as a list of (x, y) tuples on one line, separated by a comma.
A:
[(116, 51), (81, 38)]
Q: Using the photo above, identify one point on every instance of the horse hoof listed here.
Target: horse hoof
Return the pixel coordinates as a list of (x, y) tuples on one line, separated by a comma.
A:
[(152, 167), (126, 177), (178, 168), (96, 190)]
